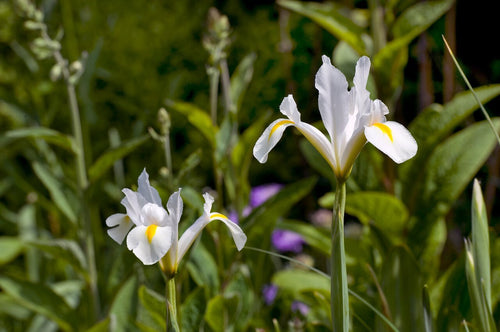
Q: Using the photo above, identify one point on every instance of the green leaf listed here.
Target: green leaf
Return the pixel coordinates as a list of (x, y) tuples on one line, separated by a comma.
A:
[(203, 269), (197, 117), (241, 79), (124, 306), (427, 310), (417, 18), (67, 250), (402, 285), (316, 160), (330, 17), (152, 311), (10, 248), (450, 168), (481, 242), (431, 127), (102, 326), (218, 314), (193, 309), (40, 299), (49, 135), (298, 281), (108, 158), (189, 164), (314, 236), (58, 193), (8, 306)]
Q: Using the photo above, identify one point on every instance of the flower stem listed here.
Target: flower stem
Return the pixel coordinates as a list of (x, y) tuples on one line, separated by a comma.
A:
[(339, 300), (172, 306)]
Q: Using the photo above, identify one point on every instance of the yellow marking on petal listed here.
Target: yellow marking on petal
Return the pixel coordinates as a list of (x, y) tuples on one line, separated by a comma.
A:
[(385, 129), (277, 125), (218, 215), (150, 232)]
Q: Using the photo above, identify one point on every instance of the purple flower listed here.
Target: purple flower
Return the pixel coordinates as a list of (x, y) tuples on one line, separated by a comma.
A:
[(269, 292), (284, 240), (301, 307), (262, 193), (233, 215)]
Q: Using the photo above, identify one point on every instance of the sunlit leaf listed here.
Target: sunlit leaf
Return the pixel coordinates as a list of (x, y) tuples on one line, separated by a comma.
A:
[(331, 17), (298, 281), (152, 311), (10, 248), (124, 306), (197, 117)]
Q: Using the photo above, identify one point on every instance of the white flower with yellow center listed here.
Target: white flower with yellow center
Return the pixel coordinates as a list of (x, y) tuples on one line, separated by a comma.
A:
[(155, 235), (350, 117)]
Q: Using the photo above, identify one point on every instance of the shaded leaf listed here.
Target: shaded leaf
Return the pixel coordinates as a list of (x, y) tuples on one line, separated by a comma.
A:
[(40, 299), (241, 79), (314, 236), (298, 281), (193, 309), (108, 158), (152, 311), (49, 135), (124, 306)]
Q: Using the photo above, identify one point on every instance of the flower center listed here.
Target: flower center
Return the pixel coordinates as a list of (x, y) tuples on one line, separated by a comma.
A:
[(150, 232), (277, 125), (385, 129)]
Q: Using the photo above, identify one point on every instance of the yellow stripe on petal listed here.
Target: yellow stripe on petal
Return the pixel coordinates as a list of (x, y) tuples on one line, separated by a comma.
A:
[(218, 215), (277, 125), (385, 129), (150, 232)]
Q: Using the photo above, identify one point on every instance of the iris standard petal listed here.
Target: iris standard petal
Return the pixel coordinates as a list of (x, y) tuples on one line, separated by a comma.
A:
[(289, 108), (393, 139), (334, 99), (153, 214), (175, 205), (269, 138), (149, 243), (146, 190), (133, 203), (123, 225)]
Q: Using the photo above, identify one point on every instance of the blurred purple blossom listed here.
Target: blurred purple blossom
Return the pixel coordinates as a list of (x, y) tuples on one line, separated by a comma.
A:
[(262, 193), (233, 215), (301, 307), (269, 292), (322, 217), (284, 240)]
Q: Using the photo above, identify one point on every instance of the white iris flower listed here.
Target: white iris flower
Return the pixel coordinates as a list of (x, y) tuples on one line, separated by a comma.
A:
[(350, 117), (155, 235)]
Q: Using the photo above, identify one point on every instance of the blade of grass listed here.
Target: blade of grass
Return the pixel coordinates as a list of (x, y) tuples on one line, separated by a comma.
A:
[(472, 90)]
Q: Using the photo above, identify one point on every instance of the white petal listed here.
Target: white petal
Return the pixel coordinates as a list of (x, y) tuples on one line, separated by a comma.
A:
[(288, 107), (269, 138), (175, 205), (334, 100), (238, 236), (209, 200), (149, 252), (319, 141), (190, 235), (146, 190), (123, 225), (362, 96), (153, 214), (393, 139), (133, 202)]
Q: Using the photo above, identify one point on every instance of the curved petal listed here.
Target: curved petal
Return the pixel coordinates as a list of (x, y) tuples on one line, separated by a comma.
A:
[(269, 138), (190, 235), (393, 139), (238, 236), (123, 225), (146, 190), (334, 99), (209, 200), (153, 214), (361, 95), (319, 141), (149, 248), (289, 108)]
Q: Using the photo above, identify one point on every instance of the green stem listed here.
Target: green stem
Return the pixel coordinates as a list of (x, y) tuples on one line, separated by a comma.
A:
[(214, 74), (168, 160), (172, 306), (82, 178), (339, 298)]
